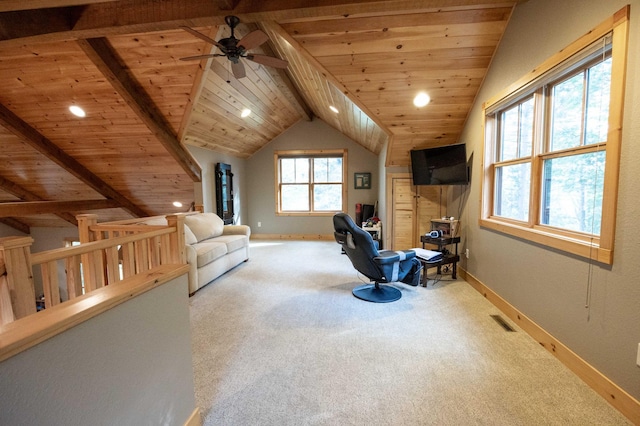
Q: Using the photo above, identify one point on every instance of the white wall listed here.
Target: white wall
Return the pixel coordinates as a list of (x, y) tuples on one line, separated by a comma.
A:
[(129, 366), (311, 135), (547, 285)]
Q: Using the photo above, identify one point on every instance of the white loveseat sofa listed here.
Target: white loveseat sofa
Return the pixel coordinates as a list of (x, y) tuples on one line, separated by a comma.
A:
[(213, 248)]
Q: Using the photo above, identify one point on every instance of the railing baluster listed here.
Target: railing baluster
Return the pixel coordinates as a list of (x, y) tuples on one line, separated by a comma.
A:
[(50, 283), (74, 278)]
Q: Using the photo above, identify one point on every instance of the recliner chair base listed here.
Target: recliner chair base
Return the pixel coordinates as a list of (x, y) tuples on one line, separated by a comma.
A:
[(377, 293)]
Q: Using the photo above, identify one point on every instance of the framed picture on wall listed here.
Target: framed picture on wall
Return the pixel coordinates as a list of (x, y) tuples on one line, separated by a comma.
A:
[(362, 180)]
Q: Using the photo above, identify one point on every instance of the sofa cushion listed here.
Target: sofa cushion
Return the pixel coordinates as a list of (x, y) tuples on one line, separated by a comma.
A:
[(156, 221), (207, 252), (205, 225), (189, 236), (233, 242)]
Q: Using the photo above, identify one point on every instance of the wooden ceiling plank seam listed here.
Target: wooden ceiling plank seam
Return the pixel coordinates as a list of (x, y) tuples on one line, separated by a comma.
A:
[(275, 28), (398, 35), (198, 83), (368, 23), (106, 59), (42, 144), (239, 90), (24, 208), (25, 195), (218, 103), (237, 122), (270, 77), (407, 45), (281, 79)]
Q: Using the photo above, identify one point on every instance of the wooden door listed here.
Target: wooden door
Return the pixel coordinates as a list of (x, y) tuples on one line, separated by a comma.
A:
[(403, 214), (412, 208)]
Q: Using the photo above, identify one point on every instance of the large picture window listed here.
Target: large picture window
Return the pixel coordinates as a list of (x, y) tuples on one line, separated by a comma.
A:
[(310, 182), (552, 147)]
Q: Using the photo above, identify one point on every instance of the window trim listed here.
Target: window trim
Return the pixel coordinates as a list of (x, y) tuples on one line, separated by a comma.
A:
[(321, 153), (599, 248)]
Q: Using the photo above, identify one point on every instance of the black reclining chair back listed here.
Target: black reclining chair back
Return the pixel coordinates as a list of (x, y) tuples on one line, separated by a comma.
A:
[(384, 266), (358, 245)]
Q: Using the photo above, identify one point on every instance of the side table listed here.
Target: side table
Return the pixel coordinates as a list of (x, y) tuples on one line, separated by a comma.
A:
[(447, 258)]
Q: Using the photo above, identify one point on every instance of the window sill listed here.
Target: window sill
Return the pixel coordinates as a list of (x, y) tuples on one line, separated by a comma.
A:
[(560, 242)]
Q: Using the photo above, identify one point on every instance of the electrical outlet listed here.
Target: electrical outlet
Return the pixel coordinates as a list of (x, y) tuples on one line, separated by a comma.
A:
[(638, 356), (259, 224), (466, 253)]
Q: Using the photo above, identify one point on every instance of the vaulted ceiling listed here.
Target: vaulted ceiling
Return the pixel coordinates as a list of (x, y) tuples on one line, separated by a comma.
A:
[(120, 61)]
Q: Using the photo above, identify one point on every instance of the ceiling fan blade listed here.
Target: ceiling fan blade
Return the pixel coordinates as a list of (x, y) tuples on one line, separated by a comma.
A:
[(203, 37), (237, 68), (269, 61), (191, 58), (253, 39)]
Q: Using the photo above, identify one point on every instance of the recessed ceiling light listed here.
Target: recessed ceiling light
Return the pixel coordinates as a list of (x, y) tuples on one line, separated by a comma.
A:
[(421, 99), (177, 204), (334, 109), (245, 112), (77, 111)]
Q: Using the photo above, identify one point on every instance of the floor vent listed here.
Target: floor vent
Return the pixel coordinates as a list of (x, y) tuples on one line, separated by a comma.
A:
[(502, 323)]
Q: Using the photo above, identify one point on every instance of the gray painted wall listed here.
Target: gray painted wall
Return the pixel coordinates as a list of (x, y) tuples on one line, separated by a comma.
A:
[(129, 366), (208, 160), (547, 285), (314, 134), (45, 239)]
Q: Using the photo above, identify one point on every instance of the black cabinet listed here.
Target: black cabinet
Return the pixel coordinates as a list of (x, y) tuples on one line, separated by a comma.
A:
[(224, 193)]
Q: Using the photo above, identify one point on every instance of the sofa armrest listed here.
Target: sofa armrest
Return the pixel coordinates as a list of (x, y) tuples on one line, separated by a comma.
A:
[(236, 230)]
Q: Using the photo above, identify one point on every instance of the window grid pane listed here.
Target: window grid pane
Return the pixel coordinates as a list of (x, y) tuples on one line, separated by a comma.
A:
[(572, 192), (598, 94), (516, 135), (512, 191), (567, 115), (327, 197), (295, 197)]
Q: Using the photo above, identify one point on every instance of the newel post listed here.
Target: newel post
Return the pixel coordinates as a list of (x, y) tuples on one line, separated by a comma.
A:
[(92, 272), (15, 253), (85, 222), (177, 242)]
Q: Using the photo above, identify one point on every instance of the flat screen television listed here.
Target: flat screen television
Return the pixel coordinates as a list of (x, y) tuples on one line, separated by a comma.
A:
[(443, 165)]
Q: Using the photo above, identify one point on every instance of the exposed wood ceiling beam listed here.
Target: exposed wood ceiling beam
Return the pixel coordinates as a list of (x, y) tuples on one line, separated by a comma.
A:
[(16, 224), (22, 193), (9, 5), (39, 142), (110, 65), (27, 208), (103, 19)]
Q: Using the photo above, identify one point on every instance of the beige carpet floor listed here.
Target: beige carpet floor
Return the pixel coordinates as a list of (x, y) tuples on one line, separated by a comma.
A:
[(280, 340)]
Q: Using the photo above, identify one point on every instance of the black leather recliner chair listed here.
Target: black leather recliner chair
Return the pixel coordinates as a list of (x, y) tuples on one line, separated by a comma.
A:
[(385, 266)]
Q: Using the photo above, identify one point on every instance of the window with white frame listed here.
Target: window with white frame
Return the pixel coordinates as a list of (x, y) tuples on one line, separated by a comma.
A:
[(310, 182), (552, 147)]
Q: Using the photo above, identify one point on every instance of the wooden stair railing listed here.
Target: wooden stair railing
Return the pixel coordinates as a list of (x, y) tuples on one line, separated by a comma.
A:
[(108, 253)]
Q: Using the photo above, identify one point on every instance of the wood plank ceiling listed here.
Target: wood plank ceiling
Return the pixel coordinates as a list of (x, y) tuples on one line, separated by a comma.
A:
[(120, 61)]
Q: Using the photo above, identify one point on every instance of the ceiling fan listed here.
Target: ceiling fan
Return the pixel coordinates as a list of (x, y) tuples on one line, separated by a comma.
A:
[(235, 49)]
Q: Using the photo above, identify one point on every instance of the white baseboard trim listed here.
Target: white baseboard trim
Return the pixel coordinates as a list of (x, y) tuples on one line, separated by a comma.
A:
[(617, 397), (194, 419)]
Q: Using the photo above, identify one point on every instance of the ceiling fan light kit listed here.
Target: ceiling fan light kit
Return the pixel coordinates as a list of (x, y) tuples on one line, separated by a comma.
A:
[(235, 49)]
